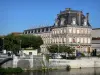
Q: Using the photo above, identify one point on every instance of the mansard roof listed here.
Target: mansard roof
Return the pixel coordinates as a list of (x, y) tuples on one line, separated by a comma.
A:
[(39, 30), (68, 15)]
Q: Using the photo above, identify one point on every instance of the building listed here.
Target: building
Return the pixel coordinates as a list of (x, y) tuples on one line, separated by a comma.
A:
[(96, 39), (95, 32), (16, 33), (71, 28)]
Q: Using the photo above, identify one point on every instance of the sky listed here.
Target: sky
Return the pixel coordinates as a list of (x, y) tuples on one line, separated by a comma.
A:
[(19, 15)]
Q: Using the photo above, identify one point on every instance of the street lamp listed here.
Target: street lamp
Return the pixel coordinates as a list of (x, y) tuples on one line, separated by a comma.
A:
[(58, 43), (20, 44), (20, 48), (3, 44), (79, 46)]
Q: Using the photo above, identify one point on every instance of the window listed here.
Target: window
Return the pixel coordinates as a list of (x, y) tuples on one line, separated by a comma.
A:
[(61, 40), (62, 21), (61, 31), (89, 31), (78, 40), (82, 31), (57, 39), (74, 30), (25, 32), (85, 22), (70, 39), (64, 30), (42, 30), (78, 31), (58, 31), (31, 31), (30, 53), (85, 31), (73, 21), (56, 22), (85, 40), (89, 40), (55, 32), (81, 40), (70, 30), (64, 39)]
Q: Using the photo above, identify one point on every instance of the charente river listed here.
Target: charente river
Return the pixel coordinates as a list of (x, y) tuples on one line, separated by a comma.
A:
[(85, 71)]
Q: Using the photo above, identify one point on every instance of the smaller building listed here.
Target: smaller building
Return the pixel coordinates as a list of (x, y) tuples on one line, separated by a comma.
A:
[(29, 52), (96, 39)]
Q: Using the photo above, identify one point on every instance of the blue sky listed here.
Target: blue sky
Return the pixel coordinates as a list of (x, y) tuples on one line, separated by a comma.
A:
[(18, 15)]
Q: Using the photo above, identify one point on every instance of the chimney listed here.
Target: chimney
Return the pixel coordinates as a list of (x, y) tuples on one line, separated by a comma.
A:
[(87, 16), (80, 18), (68, 8)]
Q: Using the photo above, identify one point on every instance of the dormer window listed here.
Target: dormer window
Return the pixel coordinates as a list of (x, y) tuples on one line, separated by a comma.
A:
[(56, 22), (85, 22), (62, 21), (73, 21)]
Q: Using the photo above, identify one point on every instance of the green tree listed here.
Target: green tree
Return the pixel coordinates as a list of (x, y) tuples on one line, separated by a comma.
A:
[(11, 43), (14, 42), (31, 41), (53, 48), (62, 48)]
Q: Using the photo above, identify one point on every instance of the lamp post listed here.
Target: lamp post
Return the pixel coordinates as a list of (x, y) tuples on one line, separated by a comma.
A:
[(20, 44), (3, 44), (79, 46), (20, 47), (58, 47)]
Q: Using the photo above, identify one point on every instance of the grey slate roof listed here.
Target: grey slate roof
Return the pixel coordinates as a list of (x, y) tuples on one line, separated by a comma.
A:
[(68, 14)]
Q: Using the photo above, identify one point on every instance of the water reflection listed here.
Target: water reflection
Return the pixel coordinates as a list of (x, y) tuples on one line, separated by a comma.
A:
[(85, 71)]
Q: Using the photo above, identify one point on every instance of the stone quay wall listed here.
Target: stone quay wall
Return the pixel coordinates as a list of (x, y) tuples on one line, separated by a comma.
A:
[(78, 63), (39, 61)]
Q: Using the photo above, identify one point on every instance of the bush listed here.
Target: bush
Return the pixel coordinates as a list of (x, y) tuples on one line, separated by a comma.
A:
[(63, 56), (98, 55), (71, 57), (82, 54), (11, 70)]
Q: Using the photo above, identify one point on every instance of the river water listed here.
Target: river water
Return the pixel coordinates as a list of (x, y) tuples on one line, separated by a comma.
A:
[(85, 71)]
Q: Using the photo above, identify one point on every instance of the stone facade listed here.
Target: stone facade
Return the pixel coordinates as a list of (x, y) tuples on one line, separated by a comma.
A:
[(71, 28)]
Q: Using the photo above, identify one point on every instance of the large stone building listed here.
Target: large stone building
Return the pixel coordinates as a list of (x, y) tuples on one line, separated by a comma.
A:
[(71, 28)]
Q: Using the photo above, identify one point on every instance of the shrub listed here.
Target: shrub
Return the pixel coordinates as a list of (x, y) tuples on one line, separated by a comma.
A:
[(82, 54), (71, 57), (11, 70)]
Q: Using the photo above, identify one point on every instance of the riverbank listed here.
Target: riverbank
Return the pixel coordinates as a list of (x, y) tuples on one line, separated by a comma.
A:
[(90, 62), (11, 70)]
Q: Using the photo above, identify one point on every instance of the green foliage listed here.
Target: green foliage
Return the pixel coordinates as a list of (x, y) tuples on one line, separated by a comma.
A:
[(98, 55), (11, 43), (62, 48), (31, 41), (71, 57), (14, 42), (82, 54), (53, 48), (11, 70)]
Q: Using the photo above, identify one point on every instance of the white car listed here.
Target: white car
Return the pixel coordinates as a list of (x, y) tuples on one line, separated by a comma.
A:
[(56, 56)]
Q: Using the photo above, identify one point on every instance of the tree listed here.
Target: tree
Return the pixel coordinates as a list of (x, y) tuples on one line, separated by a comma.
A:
[(14, 42), (11, 43), (53, 48), (31, 41), (62, 48)]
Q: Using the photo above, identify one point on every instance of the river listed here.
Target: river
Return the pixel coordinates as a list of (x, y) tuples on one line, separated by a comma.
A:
[(85, 71)]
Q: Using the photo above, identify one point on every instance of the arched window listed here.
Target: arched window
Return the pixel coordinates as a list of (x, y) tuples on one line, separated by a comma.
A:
[(74, 21)]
